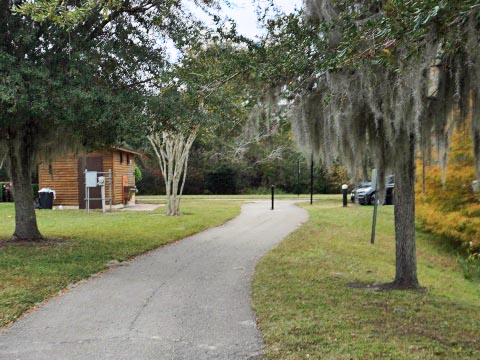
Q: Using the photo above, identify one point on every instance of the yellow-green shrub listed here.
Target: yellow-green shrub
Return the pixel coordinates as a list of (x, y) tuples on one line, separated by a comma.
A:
[(451, 210)]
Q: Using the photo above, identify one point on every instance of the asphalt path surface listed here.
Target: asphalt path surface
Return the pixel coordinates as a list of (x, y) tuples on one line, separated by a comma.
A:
[(187, 300)]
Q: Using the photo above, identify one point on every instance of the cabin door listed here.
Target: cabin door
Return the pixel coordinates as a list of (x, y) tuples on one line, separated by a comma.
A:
[(91, 164)]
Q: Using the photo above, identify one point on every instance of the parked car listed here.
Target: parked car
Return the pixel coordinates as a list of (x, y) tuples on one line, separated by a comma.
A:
[(361, 189), (366, 194)]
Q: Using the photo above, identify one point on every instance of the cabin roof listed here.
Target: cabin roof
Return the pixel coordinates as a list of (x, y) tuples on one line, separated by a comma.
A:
[(127, 150)]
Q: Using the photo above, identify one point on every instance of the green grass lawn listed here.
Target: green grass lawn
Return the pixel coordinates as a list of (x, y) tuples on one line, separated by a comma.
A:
[(29, 275), (306, 308)]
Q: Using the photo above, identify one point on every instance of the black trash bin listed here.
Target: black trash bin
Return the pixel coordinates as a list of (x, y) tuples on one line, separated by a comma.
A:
[(45, 200)]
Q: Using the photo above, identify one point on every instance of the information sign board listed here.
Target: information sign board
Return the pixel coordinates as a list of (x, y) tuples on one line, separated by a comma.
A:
[(91, 179)]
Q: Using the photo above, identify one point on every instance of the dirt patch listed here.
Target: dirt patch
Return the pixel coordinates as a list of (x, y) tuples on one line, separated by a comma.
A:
[(41, 242)]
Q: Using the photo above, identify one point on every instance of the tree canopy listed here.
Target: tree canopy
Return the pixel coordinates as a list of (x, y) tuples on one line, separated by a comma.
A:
[(74, 74)]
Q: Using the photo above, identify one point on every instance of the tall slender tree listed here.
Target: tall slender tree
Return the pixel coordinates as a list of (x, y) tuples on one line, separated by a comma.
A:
[(205, 93), (173, 121)]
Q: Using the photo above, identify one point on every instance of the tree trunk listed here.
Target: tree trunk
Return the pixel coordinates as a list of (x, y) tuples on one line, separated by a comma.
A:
[(20, 160), (406, 263)]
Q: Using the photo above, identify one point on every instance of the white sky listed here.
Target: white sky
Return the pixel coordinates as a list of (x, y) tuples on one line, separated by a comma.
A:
[(244, 13)]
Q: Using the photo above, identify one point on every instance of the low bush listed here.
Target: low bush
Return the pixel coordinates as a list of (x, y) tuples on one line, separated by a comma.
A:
[(470, 266), (35, 190), (3, 194), (264, 191), (4, 199), (451, 209), (222, 180), (455, 227)]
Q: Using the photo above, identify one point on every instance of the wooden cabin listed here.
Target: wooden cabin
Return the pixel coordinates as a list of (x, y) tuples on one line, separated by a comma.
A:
[(67, 177)]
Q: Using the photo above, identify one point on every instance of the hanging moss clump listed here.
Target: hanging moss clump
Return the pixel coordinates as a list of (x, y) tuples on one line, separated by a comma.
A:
[(383, 105)]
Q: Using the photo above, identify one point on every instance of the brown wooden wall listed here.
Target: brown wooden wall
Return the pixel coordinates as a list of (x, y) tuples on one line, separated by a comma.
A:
[(65, 176), (125, 168), (64, 179), (108, 165)]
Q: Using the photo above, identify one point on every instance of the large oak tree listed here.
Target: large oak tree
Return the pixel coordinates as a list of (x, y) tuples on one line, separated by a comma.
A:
[(72, 74), (381, 79)]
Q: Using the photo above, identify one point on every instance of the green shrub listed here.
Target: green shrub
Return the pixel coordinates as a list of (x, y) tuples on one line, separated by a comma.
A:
[(138, 173), (222, 180), (264, 191), (35, 190), (470, 266), (2, 183)]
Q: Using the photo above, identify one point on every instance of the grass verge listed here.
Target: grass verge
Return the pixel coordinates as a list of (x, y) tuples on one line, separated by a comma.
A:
[(160, 199), (31, 274), (306, 308)]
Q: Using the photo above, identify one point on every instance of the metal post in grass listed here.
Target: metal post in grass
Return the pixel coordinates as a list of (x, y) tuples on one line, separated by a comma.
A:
[(311, 181), (375, 205), (110, 187), (87, 200), (298, 178), (273, 196)]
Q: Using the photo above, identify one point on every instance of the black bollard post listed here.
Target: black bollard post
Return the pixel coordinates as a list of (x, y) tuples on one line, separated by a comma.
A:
[(273, 196), (344, 192)]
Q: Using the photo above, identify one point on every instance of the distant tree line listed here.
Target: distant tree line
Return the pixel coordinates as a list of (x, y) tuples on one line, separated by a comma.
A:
[(224, 176)]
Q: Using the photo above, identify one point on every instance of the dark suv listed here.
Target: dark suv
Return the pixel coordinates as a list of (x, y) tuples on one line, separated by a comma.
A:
[(366, 194)]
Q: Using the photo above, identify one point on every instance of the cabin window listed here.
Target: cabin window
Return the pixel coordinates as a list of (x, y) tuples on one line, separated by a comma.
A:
[(121, 158), (128, 159)]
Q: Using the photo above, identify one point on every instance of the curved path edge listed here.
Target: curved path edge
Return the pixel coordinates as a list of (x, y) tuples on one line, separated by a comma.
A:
[(187, 300)]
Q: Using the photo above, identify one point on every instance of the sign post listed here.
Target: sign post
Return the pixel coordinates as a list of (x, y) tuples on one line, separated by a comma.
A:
[(375, 205), (101, 183), (98, 178), (90, 181), (273, 196)]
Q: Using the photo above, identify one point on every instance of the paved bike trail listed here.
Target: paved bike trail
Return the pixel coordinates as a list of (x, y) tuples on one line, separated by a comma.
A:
[(187, 300)]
